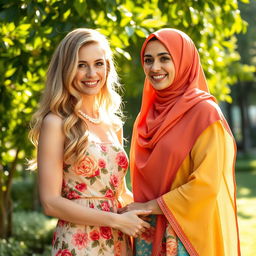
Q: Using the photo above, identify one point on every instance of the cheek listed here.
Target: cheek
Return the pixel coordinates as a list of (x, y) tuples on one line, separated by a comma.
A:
[(104, 73), (173, 72), (146, 70), (79, 75)]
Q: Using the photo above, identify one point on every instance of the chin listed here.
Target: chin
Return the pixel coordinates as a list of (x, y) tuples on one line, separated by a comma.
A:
[(158, 87)]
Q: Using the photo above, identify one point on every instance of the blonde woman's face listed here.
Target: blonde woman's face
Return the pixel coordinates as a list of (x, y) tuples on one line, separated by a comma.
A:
[(91, 69)]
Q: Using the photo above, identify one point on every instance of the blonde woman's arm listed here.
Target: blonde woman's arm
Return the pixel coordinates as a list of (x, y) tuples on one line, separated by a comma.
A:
[(50, 166)]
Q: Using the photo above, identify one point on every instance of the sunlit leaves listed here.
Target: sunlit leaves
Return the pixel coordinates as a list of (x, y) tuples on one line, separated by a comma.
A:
[(80, 7), (126, 54), (9, 72), (30, 31), (152, 23)]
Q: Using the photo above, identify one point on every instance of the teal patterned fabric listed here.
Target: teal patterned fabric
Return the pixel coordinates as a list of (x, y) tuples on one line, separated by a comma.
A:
[(143, 247)]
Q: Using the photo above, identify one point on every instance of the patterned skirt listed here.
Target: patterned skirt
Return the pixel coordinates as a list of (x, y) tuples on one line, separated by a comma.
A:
[(171, 245)]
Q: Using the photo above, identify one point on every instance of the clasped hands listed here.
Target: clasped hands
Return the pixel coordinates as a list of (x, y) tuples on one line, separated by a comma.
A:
[(150, 207)]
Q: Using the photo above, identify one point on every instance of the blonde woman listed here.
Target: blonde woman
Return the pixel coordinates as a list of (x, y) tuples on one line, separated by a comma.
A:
[(77, 131)]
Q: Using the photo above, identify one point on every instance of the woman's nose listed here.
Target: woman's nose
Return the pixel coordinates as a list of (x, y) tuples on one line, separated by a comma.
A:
[(156, 66), (91, 72)]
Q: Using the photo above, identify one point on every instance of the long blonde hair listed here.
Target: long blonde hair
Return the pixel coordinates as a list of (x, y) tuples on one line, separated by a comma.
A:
[(62, 99)]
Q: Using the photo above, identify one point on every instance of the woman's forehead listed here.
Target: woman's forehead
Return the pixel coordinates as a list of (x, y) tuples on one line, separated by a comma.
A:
[(155, 47)]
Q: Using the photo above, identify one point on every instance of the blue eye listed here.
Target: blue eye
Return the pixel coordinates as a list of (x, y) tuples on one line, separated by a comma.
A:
[(100, 63), (81, 65)]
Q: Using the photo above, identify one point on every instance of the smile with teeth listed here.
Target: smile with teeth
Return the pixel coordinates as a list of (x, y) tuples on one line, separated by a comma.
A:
[(158, 77), (90, 83)]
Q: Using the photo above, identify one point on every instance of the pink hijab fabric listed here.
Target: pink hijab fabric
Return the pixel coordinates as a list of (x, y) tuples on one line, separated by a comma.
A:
[(169, 123)]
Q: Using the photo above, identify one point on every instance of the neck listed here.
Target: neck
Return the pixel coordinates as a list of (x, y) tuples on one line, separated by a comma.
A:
[(90, 106)]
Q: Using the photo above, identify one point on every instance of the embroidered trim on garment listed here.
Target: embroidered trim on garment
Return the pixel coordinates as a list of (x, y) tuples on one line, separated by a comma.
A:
[(176, 227)]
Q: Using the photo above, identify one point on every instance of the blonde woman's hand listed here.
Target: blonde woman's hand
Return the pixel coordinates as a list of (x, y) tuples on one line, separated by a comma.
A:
[(148, 206), (131, 224)]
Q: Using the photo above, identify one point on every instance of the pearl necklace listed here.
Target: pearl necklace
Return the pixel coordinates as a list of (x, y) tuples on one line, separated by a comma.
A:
[(90, 119)]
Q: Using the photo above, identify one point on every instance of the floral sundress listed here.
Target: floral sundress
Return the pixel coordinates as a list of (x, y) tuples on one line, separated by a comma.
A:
[(95, 183), (171, 245)]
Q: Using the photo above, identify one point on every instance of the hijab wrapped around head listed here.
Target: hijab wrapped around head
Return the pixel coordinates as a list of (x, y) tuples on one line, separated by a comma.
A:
[(169, 123)]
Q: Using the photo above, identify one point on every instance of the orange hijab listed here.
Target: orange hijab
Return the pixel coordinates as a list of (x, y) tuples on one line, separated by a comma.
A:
[(169, 123)]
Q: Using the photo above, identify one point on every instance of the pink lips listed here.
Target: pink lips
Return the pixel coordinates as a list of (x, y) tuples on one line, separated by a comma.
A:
[(158, 78), (90, 84)]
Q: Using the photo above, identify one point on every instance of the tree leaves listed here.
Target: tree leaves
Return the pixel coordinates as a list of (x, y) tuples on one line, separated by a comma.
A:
[(31, 30)]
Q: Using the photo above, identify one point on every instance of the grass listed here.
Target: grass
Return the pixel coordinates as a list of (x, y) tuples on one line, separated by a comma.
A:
[(246, 163), (246, 204)]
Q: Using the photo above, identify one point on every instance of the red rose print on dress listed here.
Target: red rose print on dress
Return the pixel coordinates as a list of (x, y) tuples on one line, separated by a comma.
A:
[(81, 187), (73, 195), (61, 223), (106, 232), (94, 235), (121, 160), (103, 147), (88, 167), (80, 239), (64, 184), (109, 193), (105, 206), (114, 180), (102, 163), (91, 205), (64, 252)]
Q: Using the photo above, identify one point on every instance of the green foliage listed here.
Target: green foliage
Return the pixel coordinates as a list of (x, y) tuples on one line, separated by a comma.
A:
[(246, 72), (46, 252), (23, 194), (246, 42), (32, 235), (33, 229), (12, 247), (30, 31)]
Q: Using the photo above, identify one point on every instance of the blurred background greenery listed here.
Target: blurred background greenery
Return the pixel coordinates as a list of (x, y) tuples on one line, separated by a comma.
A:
[(225, 35)]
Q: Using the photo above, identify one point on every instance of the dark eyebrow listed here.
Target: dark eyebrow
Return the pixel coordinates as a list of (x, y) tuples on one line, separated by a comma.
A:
[(83, 61), (159, 54)]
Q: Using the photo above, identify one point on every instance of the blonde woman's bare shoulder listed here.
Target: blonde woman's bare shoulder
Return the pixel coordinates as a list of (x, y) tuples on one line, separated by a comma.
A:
[(52, 130), (52, 121)]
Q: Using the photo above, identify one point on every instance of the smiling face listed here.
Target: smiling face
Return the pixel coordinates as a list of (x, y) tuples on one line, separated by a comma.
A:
[(91, 71), (158, 65)]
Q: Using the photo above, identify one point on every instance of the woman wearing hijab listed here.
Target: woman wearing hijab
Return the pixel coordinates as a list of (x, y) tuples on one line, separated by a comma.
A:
[(182, 156)]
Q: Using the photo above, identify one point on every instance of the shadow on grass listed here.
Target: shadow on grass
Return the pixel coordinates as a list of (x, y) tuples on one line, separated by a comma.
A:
[(246, 184), (246, 206)]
